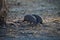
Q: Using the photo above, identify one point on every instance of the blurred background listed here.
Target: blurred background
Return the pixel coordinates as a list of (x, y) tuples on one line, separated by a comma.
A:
[(49, 10)]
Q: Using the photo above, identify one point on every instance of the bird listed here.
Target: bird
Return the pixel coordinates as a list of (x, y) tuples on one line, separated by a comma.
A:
[(30, 19)]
